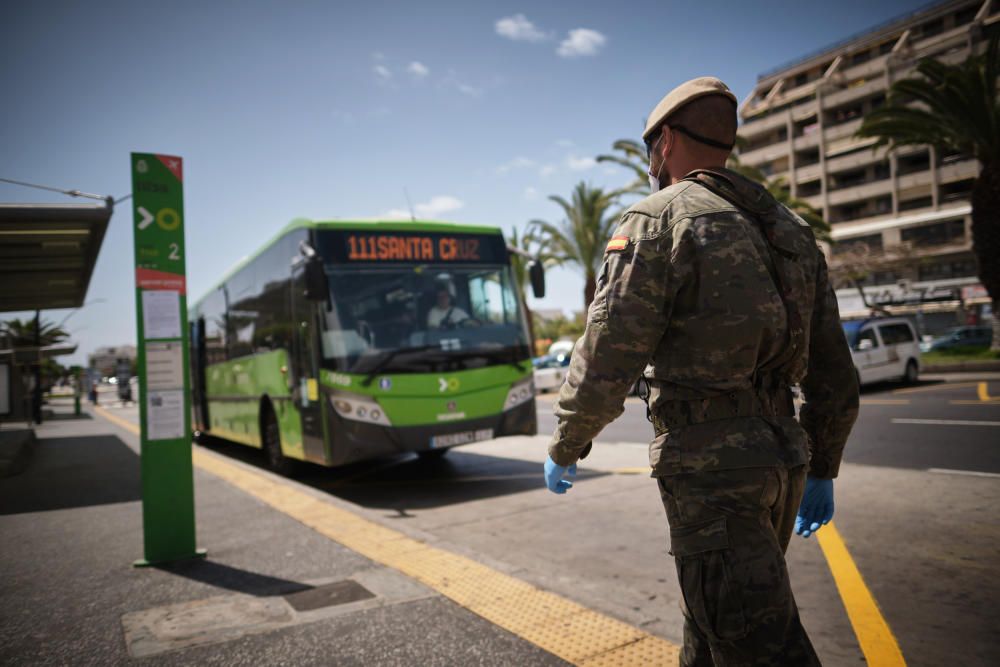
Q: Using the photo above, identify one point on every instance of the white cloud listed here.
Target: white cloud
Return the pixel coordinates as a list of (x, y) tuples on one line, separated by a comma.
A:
[(519, 29), (453, 81), (581, 42), (418, 69), (580, 163), (565, 143), (436, 207), (382, 72), (547, 170), (517, 163), (530, 193)]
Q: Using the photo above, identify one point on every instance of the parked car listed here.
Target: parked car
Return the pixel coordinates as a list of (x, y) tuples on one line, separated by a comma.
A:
[(884, 349), (550, 371), (974, 336)]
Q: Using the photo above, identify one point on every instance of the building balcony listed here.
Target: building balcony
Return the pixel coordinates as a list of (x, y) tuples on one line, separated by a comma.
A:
[(958, 171), (765, 154), (873, 67), (810, 140), (858, 92), (841, 131), (859, 192), (915, 180), (755, 126), (808, 173), (854, 160)]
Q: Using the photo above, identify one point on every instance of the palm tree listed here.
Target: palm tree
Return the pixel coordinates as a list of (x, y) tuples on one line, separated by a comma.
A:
[(581, 238), (634, 159), (957, 111), (22, 333)]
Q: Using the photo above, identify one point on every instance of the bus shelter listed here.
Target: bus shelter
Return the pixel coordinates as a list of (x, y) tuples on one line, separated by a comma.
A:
[(47, 257)]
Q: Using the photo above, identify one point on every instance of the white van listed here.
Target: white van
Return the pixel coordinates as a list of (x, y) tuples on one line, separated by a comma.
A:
[(885, 348)]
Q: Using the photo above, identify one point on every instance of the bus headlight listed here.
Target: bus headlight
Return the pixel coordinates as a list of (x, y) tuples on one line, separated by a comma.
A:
[(520, 392), (358, 408)]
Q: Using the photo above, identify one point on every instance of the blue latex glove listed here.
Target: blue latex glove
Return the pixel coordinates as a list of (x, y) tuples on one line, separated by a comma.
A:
[(816, 508), (554, 476)]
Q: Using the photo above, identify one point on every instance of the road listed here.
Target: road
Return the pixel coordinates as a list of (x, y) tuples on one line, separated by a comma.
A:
[(916, 503), (928, 426)]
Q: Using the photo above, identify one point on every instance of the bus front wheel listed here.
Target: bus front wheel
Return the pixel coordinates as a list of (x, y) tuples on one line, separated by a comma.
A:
[(276, 460)]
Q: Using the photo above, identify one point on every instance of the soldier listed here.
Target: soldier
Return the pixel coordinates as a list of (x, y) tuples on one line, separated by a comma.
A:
[(722, 295)]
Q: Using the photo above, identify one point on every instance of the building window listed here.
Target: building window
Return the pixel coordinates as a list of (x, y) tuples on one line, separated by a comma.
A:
[(966, 15), (885, 47), (881, 171), (801, 80), (911, 164), (806, 158), (848, 179), (940, 233), (931, 28), (919, 202), (845, 114), (861, 57), (957, 191), (806, 126), (963, 268), (810, 189)]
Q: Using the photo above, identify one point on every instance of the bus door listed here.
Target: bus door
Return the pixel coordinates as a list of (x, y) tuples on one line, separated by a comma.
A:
[(198, 386), (304, 363)]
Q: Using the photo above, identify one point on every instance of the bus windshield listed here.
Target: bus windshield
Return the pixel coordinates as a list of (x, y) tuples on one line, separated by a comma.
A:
[(421, 318)]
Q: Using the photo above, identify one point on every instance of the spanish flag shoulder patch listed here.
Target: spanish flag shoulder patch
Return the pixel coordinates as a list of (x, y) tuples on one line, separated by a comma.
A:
[(617, 243)]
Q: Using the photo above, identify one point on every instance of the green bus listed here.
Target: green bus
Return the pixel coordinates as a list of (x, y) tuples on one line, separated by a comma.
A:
[(341, 341)]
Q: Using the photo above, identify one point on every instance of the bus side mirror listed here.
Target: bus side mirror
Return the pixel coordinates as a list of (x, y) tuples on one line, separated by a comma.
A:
[(537, 273), (317, 288), (865, 344)]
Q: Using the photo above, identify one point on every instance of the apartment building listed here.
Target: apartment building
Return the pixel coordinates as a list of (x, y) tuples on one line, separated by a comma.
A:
[(911, 206)]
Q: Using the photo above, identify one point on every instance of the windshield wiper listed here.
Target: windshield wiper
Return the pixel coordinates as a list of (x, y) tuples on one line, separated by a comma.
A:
[(383, 363)]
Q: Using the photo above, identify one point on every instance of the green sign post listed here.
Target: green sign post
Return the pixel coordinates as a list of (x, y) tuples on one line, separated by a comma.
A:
[(164, 376)]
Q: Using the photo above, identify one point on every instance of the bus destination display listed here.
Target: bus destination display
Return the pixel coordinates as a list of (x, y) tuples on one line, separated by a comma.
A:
[(355, 246)]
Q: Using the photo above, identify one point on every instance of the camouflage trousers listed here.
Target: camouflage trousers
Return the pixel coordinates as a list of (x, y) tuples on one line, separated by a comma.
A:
[(728, 534)]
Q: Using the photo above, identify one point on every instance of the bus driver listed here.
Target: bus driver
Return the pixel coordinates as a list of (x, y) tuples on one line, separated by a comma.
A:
[(443, 315)]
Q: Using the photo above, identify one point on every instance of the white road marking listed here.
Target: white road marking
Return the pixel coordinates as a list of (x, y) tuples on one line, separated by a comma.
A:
[(970, 473), (945, 422)]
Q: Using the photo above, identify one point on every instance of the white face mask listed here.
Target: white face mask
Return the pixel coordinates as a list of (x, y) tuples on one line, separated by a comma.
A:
[(654, 182)]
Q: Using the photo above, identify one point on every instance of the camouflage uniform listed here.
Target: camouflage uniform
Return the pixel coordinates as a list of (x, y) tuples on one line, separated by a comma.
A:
[(722, 295)]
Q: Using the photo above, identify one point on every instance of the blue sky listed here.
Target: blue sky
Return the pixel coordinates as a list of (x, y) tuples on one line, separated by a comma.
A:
[(280, 110)]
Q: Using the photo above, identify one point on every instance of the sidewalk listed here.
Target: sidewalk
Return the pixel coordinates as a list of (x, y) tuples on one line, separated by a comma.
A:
[(271, 591)]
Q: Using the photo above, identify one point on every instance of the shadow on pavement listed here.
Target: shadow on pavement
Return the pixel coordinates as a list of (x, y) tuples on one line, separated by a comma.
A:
[(233, 578), (408, 482), (73, 472)]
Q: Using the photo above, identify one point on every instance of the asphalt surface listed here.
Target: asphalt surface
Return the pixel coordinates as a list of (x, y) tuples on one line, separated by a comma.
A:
[(916, 507), (877, 439)]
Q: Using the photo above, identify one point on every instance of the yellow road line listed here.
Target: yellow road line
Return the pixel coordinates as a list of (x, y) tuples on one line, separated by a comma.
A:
[(874, 636), (934, 387), (984, 392), (564, 628)]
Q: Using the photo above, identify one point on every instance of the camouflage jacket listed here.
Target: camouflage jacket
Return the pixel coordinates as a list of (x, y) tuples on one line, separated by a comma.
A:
[(691, 291)]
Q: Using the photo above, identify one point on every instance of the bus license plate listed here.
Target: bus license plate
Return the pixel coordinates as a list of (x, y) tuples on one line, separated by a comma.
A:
[(463, 438)]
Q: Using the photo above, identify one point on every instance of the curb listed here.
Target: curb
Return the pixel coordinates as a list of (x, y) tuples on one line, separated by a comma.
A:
[(16, 448), (986, 366)]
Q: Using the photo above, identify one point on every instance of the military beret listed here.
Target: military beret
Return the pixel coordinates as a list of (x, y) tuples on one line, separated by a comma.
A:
[(683, 94)]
